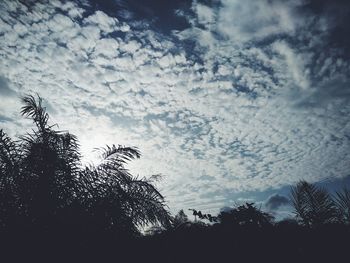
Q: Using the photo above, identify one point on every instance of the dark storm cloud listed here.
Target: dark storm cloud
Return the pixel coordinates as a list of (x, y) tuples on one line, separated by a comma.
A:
[(275, 201)]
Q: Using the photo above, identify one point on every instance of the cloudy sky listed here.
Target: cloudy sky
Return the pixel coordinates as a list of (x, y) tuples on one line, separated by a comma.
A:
[(230, 100)]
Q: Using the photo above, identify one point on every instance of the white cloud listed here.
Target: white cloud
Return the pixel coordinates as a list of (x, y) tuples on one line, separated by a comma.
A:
[(205, 14), (294, 63), (104, 22), (107, 47)]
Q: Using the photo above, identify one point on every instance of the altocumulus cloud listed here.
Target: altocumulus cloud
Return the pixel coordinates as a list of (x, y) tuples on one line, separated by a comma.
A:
[(223, 102)]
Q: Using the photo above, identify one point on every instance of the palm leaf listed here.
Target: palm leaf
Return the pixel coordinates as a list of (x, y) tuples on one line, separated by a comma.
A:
[(342, 200), (312, 205), (33, 109)]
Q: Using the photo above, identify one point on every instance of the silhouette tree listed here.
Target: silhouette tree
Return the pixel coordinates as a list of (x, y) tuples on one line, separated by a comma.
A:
[(180, 218), (43, 183), (246, 215), (313, 206), (117, 199), (49, 165)]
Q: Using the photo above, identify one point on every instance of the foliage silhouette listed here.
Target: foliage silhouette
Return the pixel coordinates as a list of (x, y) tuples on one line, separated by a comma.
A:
[(247, 234), (246, 215), (180, 218), (202, 216), (313, 206), (342, 202), (43, 183)]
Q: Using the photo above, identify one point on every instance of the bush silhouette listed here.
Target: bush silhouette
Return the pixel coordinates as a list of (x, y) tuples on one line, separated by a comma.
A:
[(246, 215)]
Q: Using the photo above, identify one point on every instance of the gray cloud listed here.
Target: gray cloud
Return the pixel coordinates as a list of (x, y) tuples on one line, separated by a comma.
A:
[(5, 90), (5, 119), (276, 201)]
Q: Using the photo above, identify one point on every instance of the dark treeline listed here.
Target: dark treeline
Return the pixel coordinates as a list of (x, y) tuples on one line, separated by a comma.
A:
[(52, 208)]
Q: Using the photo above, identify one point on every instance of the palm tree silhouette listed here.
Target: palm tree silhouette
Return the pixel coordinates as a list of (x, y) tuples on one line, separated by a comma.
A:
[(43, 182), (313, 206)]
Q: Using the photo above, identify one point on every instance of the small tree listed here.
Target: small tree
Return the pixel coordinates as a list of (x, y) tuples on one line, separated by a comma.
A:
[(180, 218)]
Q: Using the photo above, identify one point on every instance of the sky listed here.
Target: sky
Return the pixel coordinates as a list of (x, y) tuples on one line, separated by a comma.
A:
[(230, 101)]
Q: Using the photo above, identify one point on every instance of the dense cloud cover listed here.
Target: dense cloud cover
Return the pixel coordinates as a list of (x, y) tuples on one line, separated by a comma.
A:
[(221, 96)]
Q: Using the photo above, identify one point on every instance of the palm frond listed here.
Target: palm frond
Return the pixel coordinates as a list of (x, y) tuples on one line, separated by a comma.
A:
[(33, 109), (8, 151), (149, 206), (312, 205), (113, 160), (119, 154), (342, 201)]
